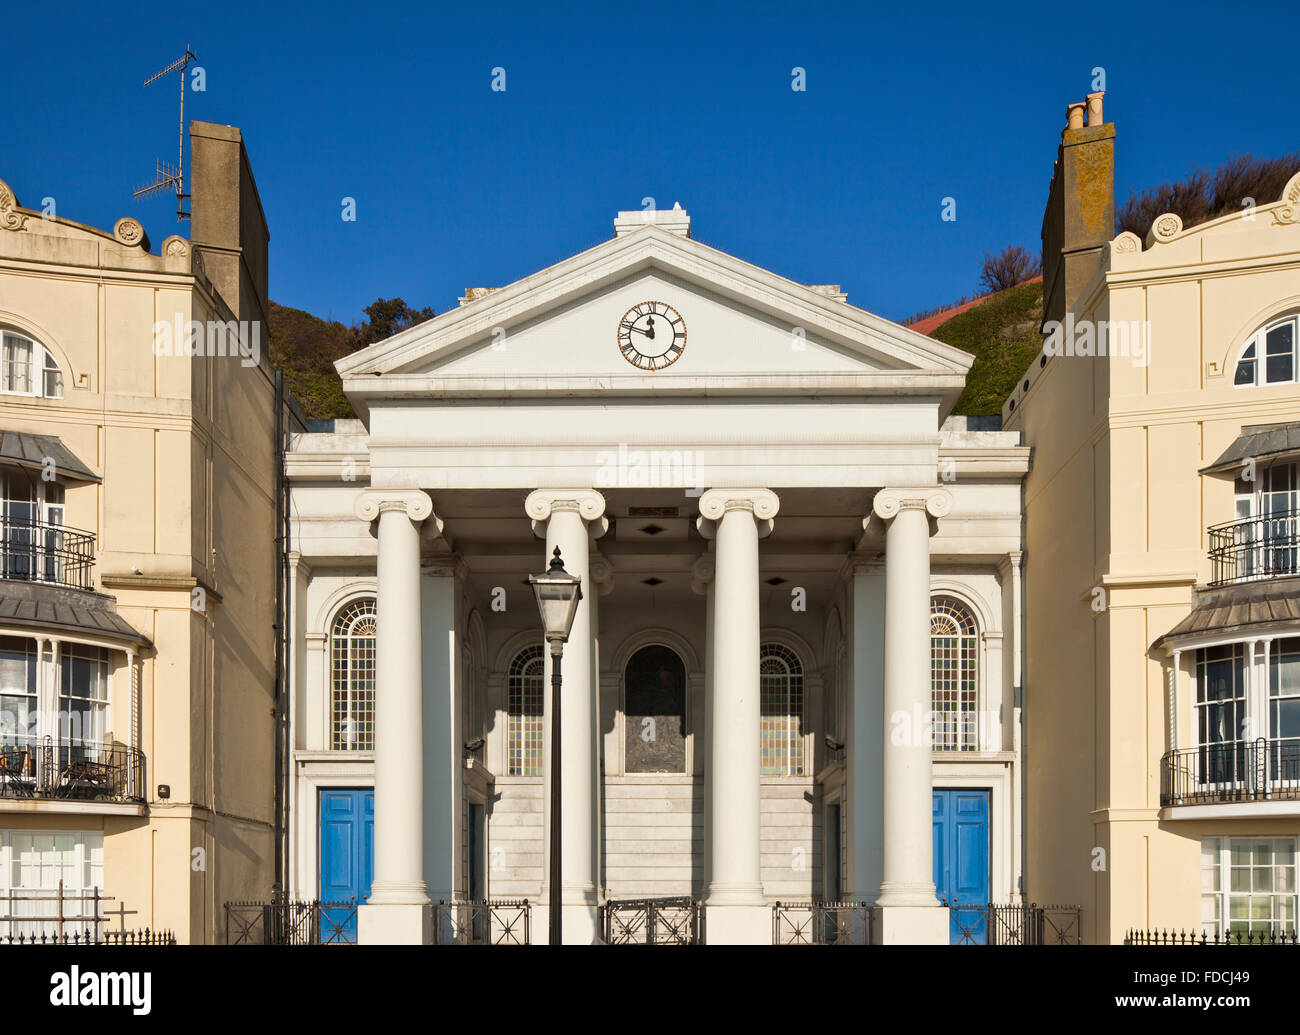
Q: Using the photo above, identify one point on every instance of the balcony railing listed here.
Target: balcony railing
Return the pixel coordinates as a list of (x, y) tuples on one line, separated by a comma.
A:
[(1241, 770), (1262, 547), (1014, 924), (821, 923), (59, 916), (651, 921), (291, 923), (72, 771), (493, 922), (35, 551)]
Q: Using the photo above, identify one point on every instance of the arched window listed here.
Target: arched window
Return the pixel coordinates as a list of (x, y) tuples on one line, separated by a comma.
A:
[(28, 368), (953, 668), (780, 704), (1269, 356), (352, 679), (525, 686)]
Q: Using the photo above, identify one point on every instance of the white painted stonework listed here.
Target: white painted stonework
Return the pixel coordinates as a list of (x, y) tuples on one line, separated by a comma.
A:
[(794, 478)]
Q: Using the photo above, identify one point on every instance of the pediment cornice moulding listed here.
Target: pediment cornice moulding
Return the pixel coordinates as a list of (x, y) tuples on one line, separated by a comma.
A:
[(428, 386), (621, 257)]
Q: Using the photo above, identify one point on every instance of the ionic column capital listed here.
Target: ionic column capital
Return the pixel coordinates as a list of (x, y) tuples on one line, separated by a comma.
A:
[(762, 505), (415, 504), (542, 503), (888, 503)]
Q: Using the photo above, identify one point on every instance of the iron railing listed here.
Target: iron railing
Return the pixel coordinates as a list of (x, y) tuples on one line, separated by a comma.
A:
[(291, 923), (37, 551), (1016, 924), (821, 923), (1262, 547), (651, 921), (1167, 937), (58, 916), (487, 922), (145, 937), (70, 770), (1238, 770)]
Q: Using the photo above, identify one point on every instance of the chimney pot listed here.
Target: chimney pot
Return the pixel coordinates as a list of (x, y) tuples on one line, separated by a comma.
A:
[(1074, 115), (1094, 108)]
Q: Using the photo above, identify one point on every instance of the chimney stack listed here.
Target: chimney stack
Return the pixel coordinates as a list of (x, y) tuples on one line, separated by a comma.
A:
[(227, 224), (1080, 214)]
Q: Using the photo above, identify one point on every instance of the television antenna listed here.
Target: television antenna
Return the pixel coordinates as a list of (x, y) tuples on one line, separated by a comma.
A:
[(169, 177)]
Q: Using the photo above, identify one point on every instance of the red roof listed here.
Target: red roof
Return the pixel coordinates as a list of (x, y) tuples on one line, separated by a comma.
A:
[(930, 323)]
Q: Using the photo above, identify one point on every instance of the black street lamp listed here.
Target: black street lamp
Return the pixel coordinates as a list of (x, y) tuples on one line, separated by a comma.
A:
[(557, 594)]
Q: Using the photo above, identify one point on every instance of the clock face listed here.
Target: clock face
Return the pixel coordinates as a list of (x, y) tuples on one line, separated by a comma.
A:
[(652, 335)]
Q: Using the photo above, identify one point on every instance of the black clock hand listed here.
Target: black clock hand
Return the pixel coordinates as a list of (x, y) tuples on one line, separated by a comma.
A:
[(650, 328)]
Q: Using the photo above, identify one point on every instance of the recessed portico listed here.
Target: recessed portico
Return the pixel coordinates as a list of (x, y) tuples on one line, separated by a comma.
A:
[(723, 511)]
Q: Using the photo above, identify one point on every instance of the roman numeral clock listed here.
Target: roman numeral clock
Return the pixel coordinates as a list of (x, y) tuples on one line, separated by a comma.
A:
[(652, 335)]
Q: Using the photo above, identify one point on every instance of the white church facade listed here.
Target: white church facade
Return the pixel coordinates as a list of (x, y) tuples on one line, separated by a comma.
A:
[(793, 673)]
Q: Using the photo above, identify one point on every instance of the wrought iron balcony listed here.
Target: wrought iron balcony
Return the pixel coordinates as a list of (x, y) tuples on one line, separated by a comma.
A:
[(821, 923), (651, 921), (1240, 770), (1263, 547), (72, 771), (35, 551)]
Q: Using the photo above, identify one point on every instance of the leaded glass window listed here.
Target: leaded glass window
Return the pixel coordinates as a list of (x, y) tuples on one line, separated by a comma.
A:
[(525, 686), (780, 702), (352, 677), (954, 666)]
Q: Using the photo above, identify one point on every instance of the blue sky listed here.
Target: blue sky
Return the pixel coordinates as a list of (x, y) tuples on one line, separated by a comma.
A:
[(458, 185)]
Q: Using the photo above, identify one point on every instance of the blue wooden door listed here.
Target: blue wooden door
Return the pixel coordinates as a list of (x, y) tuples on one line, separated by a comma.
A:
[(347, 857), (961, 859)]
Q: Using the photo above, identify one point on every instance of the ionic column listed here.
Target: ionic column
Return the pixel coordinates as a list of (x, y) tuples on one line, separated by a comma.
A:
[(735, 910), (568, 518), (702, 572), (398, 910), (907, 909)]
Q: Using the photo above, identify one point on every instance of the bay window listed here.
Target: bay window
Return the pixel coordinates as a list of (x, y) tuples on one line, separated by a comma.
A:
[(1248, 886), (83, 700)]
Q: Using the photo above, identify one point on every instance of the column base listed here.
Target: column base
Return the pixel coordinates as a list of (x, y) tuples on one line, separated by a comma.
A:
[(737, 924), (580, 924), (395, 923), (910, 925)]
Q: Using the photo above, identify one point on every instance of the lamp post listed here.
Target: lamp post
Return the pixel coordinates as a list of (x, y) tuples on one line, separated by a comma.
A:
[(557, 594)]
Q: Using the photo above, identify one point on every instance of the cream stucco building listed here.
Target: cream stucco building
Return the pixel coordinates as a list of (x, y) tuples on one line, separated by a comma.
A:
[(790, 552), (1162, 588), (137, 563)]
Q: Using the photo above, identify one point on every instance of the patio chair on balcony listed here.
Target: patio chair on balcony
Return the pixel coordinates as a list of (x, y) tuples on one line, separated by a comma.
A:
[(85, 780), (17, 778)]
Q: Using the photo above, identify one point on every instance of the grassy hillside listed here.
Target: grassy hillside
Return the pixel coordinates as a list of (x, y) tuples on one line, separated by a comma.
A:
[(1002, 334)]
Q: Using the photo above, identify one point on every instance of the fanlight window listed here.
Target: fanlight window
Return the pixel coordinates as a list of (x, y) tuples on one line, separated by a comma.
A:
[(1269, 357), (953, 680), (780, 702), (525, 685), (28, 368), (352, 695)]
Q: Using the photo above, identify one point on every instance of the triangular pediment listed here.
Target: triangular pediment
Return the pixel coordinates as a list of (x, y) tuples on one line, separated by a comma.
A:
[(741, 325)]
